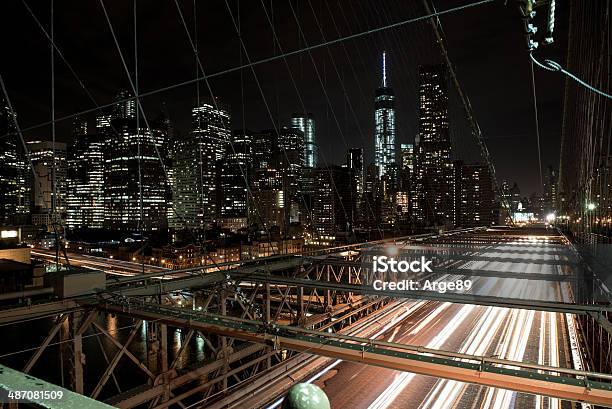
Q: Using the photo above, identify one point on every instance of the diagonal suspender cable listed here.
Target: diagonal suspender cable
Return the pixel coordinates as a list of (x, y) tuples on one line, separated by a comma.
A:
[(301, 101), (216, 105), (267, 106), (138, 103), (537, 122)]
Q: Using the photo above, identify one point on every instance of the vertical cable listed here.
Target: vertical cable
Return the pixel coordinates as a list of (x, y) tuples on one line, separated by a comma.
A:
[(537, 123), (53, 159), (140, 199), (242, 104), (199, 117)]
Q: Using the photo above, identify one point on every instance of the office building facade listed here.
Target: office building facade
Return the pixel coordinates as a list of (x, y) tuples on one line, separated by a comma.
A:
[(196, 165), (85, 179), (434, 169), (306, 124), (135, 190), (15, 172)]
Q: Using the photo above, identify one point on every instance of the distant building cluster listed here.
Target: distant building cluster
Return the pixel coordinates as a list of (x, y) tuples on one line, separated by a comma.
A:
[(524, 209), (133, 174)]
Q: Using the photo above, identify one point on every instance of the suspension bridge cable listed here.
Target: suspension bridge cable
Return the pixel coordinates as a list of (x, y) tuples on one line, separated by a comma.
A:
[(553, 66), (266, 60), (537, 123), (138, 141), (54, 153)]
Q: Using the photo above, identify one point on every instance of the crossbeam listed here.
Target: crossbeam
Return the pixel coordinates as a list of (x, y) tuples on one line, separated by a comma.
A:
[(463, 271), (432, 295), (571, 385), (36, 311)]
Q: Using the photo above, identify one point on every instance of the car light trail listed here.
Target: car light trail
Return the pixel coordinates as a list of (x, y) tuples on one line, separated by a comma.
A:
[(402, 380), (394, 321), (477, 343)]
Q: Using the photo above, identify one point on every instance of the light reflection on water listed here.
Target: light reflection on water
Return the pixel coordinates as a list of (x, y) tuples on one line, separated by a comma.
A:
[(31, 334)]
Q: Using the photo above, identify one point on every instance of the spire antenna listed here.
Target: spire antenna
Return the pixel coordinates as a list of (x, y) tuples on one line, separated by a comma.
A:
[(384, 69)]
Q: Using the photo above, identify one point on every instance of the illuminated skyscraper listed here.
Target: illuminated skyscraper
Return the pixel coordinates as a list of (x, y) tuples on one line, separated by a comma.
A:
[(550, 190), (354, 162), (124, 109), (407, 169), (133, 175), (85, 180), (306, 124), (384, 131), (234, 173), (334, 201), (196, 165), (268, 209), (434, 169), (407, 153), (290, 160), (404, 196), (15, 173), (261, 147), (473, 195), (50, 185)]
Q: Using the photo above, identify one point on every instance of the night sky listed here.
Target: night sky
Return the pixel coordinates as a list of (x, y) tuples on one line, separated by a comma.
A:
[(486, 44)]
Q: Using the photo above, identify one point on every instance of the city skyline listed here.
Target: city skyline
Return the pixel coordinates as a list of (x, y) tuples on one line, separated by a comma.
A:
[(133, 174), (267, 204), (282, 98)]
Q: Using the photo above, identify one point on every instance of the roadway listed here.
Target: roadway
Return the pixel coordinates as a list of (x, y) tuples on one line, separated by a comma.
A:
[(534, 336), (108, 265)]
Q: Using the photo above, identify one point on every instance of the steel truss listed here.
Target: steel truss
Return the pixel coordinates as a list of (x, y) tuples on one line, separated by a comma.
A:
[(257, 318), (557, 382)]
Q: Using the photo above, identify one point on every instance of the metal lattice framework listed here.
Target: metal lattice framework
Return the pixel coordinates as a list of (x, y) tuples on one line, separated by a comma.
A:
[(268, 317)]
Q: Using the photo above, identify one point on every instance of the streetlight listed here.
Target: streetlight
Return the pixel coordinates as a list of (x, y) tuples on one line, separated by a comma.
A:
[(591, 206)]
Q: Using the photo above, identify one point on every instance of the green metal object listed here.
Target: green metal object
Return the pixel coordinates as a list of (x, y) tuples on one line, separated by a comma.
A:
[(306, 396), (15, 384)]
